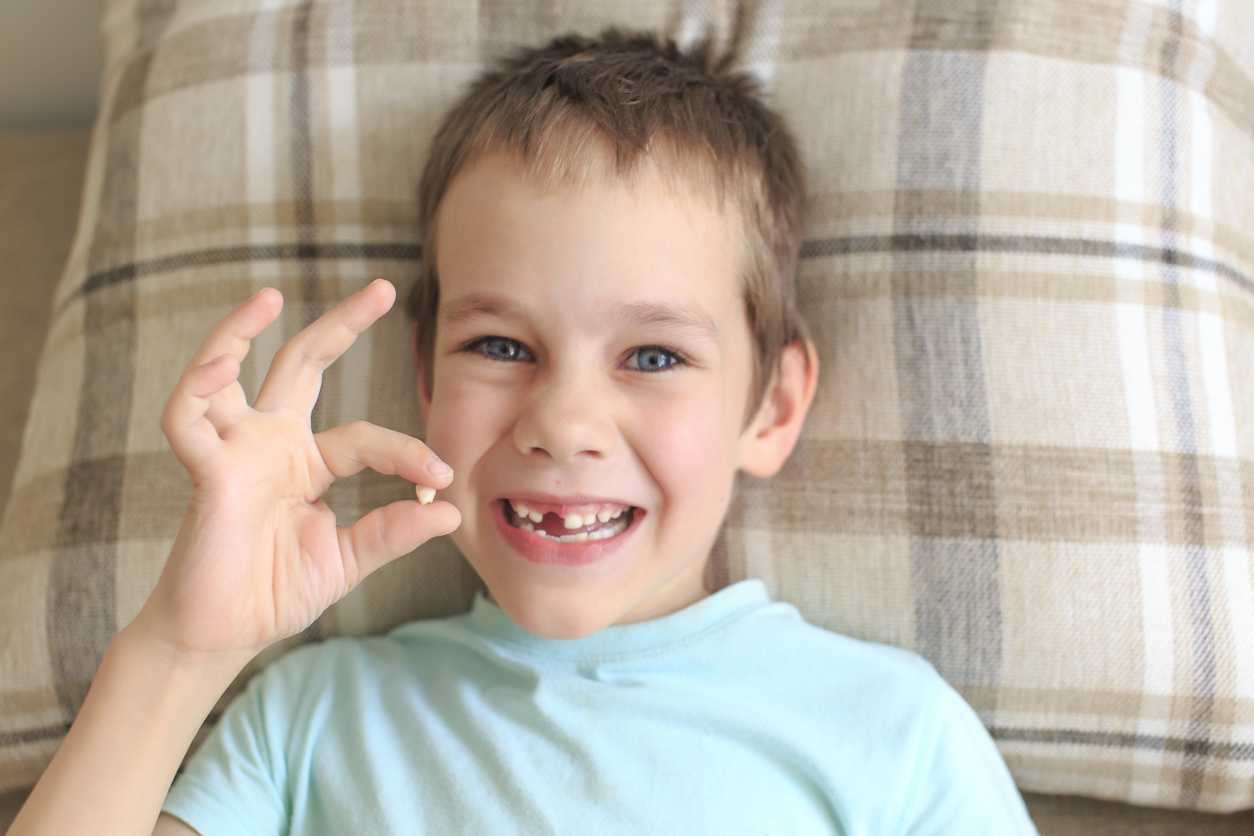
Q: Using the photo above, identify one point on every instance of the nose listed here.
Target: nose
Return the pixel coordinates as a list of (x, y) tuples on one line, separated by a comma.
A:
[(566, 415)]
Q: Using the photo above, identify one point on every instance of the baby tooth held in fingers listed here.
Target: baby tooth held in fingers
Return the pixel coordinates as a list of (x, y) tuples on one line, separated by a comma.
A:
[(425, 495)]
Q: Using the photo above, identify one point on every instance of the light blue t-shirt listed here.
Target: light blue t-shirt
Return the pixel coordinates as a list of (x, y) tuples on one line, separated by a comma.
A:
[(733, 716)]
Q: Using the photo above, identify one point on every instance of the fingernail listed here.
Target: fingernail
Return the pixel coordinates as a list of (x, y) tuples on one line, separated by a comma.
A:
[(425, 495), (436, 467)]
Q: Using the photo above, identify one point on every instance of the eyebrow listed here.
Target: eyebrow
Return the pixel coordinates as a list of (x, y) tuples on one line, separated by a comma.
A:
[(683, 318), (475, 305)]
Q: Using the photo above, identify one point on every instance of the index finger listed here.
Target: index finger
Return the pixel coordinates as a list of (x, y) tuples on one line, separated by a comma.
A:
[(234, 333), (295, 375)]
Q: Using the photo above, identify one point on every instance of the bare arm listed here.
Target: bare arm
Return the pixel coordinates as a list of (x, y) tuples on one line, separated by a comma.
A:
[(258, 558)]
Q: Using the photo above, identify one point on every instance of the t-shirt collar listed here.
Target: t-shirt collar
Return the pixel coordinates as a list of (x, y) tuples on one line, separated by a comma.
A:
[(710, 613)]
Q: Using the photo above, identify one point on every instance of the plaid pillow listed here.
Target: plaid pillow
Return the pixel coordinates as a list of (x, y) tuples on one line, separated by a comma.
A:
[(1030, 272)]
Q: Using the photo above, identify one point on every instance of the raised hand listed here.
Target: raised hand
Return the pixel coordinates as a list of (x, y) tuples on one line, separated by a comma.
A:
[(259, 555)]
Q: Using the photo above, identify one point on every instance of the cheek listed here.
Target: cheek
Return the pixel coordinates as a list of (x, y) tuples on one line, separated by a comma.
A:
[(462, 421), (688, 443)]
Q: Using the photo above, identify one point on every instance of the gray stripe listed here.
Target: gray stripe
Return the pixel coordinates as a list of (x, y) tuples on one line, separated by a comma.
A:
[(303, 203), (239, 255), (1201, 630), (939, 355), (302, 157), (1154, 743), (815, 248), (975, 242), (81, 596)]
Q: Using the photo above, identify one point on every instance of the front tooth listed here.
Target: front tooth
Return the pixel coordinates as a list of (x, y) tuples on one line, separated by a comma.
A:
[(581, 537), (604, 516), (535, 516), (573, 521), (425, 495)]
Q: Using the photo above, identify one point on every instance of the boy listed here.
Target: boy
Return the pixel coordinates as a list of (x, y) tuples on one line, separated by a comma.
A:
[(605, 335)]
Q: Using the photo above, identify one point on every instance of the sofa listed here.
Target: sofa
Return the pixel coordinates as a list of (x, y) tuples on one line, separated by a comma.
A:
[(903, 518)]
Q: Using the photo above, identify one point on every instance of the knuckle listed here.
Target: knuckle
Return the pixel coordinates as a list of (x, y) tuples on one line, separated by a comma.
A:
[(412, 447)]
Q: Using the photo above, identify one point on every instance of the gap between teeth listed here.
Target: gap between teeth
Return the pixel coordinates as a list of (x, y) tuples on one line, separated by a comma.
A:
[(525, 512)]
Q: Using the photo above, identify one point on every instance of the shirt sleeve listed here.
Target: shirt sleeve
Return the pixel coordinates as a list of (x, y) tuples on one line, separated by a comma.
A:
[(236, 782), (961, 783)]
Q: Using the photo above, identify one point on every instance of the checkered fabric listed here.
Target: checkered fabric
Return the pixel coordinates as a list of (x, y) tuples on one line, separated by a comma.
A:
[(1030, 273)]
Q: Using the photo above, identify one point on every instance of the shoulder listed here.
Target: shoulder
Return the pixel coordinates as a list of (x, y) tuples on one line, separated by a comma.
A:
[(335, 667), (778, 639)]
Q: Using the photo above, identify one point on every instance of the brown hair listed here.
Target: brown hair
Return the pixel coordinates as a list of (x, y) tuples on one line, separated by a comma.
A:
[(574, 107)]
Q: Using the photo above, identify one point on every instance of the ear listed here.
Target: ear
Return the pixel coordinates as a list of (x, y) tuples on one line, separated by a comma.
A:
[(774, 430), (420, 367)]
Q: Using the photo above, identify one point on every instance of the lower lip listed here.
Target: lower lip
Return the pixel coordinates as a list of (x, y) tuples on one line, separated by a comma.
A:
[(541, 550)]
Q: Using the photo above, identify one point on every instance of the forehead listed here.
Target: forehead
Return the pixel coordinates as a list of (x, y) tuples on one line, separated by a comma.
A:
[(505, 226)]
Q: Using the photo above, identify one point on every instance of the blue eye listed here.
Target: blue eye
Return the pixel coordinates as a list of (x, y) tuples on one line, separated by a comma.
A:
[(652, 358), (501, 348)]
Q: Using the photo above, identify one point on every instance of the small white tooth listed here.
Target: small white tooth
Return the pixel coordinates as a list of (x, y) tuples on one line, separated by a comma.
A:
[(599, 534), (535, 516), (581, 537), (566, 538), (573, 521), (527, 526), (425, 495), (604, 516), (617, 514), (520, 508)]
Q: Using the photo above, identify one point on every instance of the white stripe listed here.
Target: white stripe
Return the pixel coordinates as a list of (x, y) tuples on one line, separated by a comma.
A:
[(341, 87), (260, 135), (261, 188), (342, 109), (762, 51), (1138, 385), (1214, 362), (1156, 621), (342, 103), (1206, 15), (262, 180)]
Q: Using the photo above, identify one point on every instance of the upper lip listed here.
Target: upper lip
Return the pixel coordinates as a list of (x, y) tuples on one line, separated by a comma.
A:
[(543, 498)]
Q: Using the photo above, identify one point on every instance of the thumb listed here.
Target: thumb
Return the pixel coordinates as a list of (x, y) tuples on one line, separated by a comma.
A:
[(387, 533)]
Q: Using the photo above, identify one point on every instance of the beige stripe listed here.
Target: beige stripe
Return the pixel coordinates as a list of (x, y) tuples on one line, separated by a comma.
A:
[(1048, 494)]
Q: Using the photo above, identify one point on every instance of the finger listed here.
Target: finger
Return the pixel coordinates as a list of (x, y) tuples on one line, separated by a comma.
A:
[(295, 376), (387, 533), (351, 447), (233, 334), (185, 420)]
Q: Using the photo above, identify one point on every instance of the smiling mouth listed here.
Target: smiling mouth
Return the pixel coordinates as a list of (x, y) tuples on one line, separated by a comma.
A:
[(570, 524)]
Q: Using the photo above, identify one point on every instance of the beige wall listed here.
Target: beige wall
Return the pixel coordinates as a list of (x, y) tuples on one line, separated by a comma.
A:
[(50, 59)]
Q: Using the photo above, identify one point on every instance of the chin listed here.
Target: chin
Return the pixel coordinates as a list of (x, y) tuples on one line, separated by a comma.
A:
[(550, 617)]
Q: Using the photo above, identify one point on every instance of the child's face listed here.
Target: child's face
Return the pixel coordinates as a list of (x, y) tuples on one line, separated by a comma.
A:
[(592, 356)]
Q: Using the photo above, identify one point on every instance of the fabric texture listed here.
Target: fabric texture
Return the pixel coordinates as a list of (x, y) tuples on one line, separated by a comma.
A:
[(730, 716), (1030, 273)]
